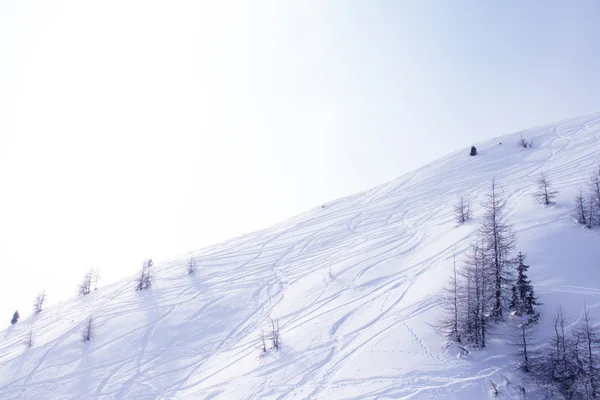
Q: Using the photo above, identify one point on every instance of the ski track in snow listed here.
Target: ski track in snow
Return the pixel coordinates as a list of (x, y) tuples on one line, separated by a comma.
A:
[(354, 286)]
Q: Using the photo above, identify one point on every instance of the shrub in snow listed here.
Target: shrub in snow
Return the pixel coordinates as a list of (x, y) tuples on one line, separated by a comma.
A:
[(473, 151), (15, 318)]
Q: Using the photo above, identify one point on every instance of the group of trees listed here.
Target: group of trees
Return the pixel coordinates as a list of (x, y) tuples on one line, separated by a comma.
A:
[(587, 203), (568, 366), (489, 284)]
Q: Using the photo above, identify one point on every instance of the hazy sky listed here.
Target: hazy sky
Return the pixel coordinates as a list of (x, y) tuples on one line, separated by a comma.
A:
[(133, 129)]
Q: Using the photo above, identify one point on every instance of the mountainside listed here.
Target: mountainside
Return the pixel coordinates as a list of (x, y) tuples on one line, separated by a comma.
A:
[(354, 285)]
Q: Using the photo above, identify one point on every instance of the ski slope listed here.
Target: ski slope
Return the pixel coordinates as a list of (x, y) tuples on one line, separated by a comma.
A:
[(354, 284)]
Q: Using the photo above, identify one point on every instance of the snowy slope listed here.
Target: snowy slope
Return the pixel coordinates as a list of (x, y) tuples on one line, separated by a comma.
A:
[(362, 332)]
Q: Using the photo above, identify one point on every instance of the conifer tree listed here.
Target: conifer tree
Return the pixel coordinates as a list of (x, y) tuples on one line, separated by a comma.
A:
[(498, 239), (15, 318), (523, 301), (473, 151), (545, 193)]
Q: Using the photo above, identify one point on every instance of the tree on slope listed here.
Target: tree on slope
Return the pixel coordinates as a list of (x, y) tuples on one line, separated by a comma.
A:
[(594, 190), (473, 151), (86, 284), (545, 194), (15, 318), (449, 325), (474, 296), (587, 354), (580, 210), (146, 276), (38, 303), (498, 239), (462, 210), (523, 301)]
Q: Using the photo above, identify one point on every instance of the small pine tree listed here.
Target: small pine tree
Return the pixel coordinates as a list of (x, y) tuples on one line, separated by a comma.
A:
[(275, 335), (473, 151), (523, 301), (15, 318)]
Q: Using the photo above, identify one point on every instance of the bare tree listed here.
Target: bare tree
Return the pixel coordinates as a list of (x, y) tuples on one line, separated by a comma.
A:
[(275, 335), (88, 331), (499, 240), (545, 194), (263, 342), (594, 189), (523, 343), (29, 340), (587, 347), (591, 217), (96, 277), (462, 210), (580, 210), (86, 284), (449, 325), (191, 267), (38, 303), (146, 276)]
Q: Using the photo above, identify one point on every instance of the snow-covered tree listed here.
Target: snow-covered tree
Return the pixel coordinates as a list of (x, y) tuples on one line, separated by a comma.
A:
[(545, 193), (462, 210), (587, 355), (15, 318)]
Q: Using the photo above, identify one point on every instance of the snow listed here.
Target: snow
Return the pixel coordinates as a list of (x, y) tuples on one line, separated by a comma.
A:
[(354, 284)]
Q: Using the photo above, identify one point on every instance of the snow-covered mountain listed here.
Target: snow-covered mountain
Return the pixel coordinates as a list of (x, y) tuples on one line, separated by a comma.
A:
[(354, 285)]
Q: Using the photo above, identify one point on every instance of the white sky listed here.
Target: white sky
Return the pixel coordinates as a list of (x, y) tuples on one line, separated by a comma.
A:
[(133, 129)]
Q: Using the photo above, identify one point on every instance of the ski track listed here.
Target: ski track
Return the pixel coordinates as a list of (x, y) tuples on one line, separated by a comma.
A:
[(362, 332)]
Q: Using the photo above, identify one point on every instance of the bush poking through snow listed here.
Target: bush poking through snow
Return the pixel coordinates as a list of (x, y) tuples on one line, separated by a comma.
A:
[(524, 143), (38, 303), (29, 340), (15, 318), (146, 277), (191, 266), (473, 151), (88, 331)]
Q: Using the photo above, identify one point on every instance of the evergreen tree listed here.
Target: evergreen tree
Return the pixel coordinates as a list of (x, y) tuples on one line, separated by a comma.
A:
[(15, 318), (523, 300), (473, 151)]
